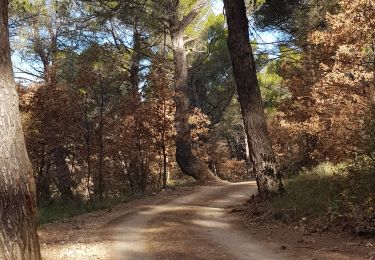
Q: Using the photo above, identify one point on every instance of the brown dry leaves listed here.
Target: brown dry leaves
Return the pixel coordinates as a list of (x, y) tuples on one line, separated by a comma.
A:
[(332, 87)]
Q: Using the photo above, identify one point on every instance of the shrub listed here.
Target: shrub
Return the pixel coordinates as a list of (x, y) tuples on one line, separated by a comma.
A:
[(329, 195)]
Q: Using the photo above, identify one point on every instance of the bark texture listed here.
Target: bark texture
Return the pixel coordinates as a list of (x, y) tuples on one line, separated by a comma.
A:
[(18, 237), (185, 158), (261, 153)]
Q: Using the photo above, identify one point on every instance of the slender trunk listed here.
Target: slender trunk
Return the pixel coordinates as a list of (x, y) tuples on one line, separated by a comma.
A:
[(43, 182), (137, 161), (239, 153), (160, 179), (231, 150), (133, 174), (46, 192), (144, 174), (165, 171), (64, 181), (18, 237), (249, 168), (142, 167), (134, 67), (247, 150), (185, 158), (39, 179), (100, 181), (164, 142), (261, 152), (88, 147)]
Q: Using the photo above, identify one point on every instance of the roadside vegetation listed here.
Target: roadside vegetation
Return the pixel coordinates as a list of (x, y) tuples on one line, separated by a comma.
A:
[(326, 197), (323, 130), (60, 210)]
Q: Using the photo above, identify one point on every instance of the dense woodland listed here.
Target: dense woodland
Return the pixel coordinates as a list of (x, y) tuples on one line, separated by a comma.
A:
[(118, 98)]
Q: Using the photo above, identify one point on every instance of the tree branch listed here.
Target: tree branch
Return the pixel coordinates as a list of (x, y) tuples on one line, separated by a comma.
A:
[(189, 18)]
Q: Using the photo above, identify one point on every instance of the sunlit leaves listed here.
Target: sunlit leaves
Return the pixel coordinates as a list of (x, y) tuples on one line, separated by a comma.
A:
[(332, 84)]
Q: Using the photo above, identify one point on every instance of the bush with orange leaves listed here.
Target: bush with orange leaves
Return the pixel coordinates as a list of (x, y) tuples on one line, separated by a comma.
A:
[(332, 88)]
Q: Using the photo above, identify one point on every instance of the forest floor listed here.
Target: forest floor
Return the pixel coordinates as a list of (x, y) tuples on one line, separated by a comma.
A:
[(190, 223)]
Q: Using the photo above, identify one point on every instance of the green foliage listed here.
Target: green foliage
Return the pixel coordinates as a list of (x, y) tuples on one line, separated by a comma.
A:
[(311, 193), (253, 5), (211, 71), (270, 83), (60, 210), (276, 13), (185, 6), (295, 17), (20, 6)]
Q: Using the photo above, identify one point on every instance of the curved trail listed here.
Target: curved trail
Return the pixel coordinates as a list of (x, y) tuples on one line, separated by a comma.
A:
[(195, 226)]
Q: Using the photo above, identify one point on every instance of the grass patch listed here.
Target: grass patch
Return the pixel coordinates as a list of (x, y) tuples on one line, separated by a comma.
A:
[(58, 210), (313, 192), (327, 195)]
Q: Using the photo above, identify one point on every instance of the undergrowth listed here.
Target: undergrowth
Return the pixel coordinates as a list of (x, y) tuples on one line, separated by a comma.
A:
[(326, 196), (59, 210), (313, 192)]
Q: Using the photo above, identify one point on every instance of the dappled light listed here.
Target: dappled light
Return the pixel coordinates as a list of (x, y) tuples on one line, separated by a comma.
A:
[(201, 217)]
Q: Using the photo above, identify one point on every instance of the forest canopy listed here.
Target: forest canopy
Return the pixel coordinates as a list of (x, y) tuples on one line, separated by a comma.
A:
[(97, 85)]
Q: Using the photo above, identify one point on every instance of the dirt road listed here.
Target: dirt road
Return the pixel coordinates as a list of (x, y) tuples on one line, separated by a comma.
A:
[(192, 222), (195, 226)]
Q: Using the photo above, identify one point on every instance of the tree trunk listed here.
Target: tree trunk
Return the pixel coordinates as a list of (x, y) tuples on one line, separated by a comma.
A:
[(99, 183), (164, 143), (18, 237), (247, 149), (64, 181), (134, 67), (43, 180), (231, 150), (88, 146), (188, 163), (261, 152), (137, 159), (249, 166), (165, 170)]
